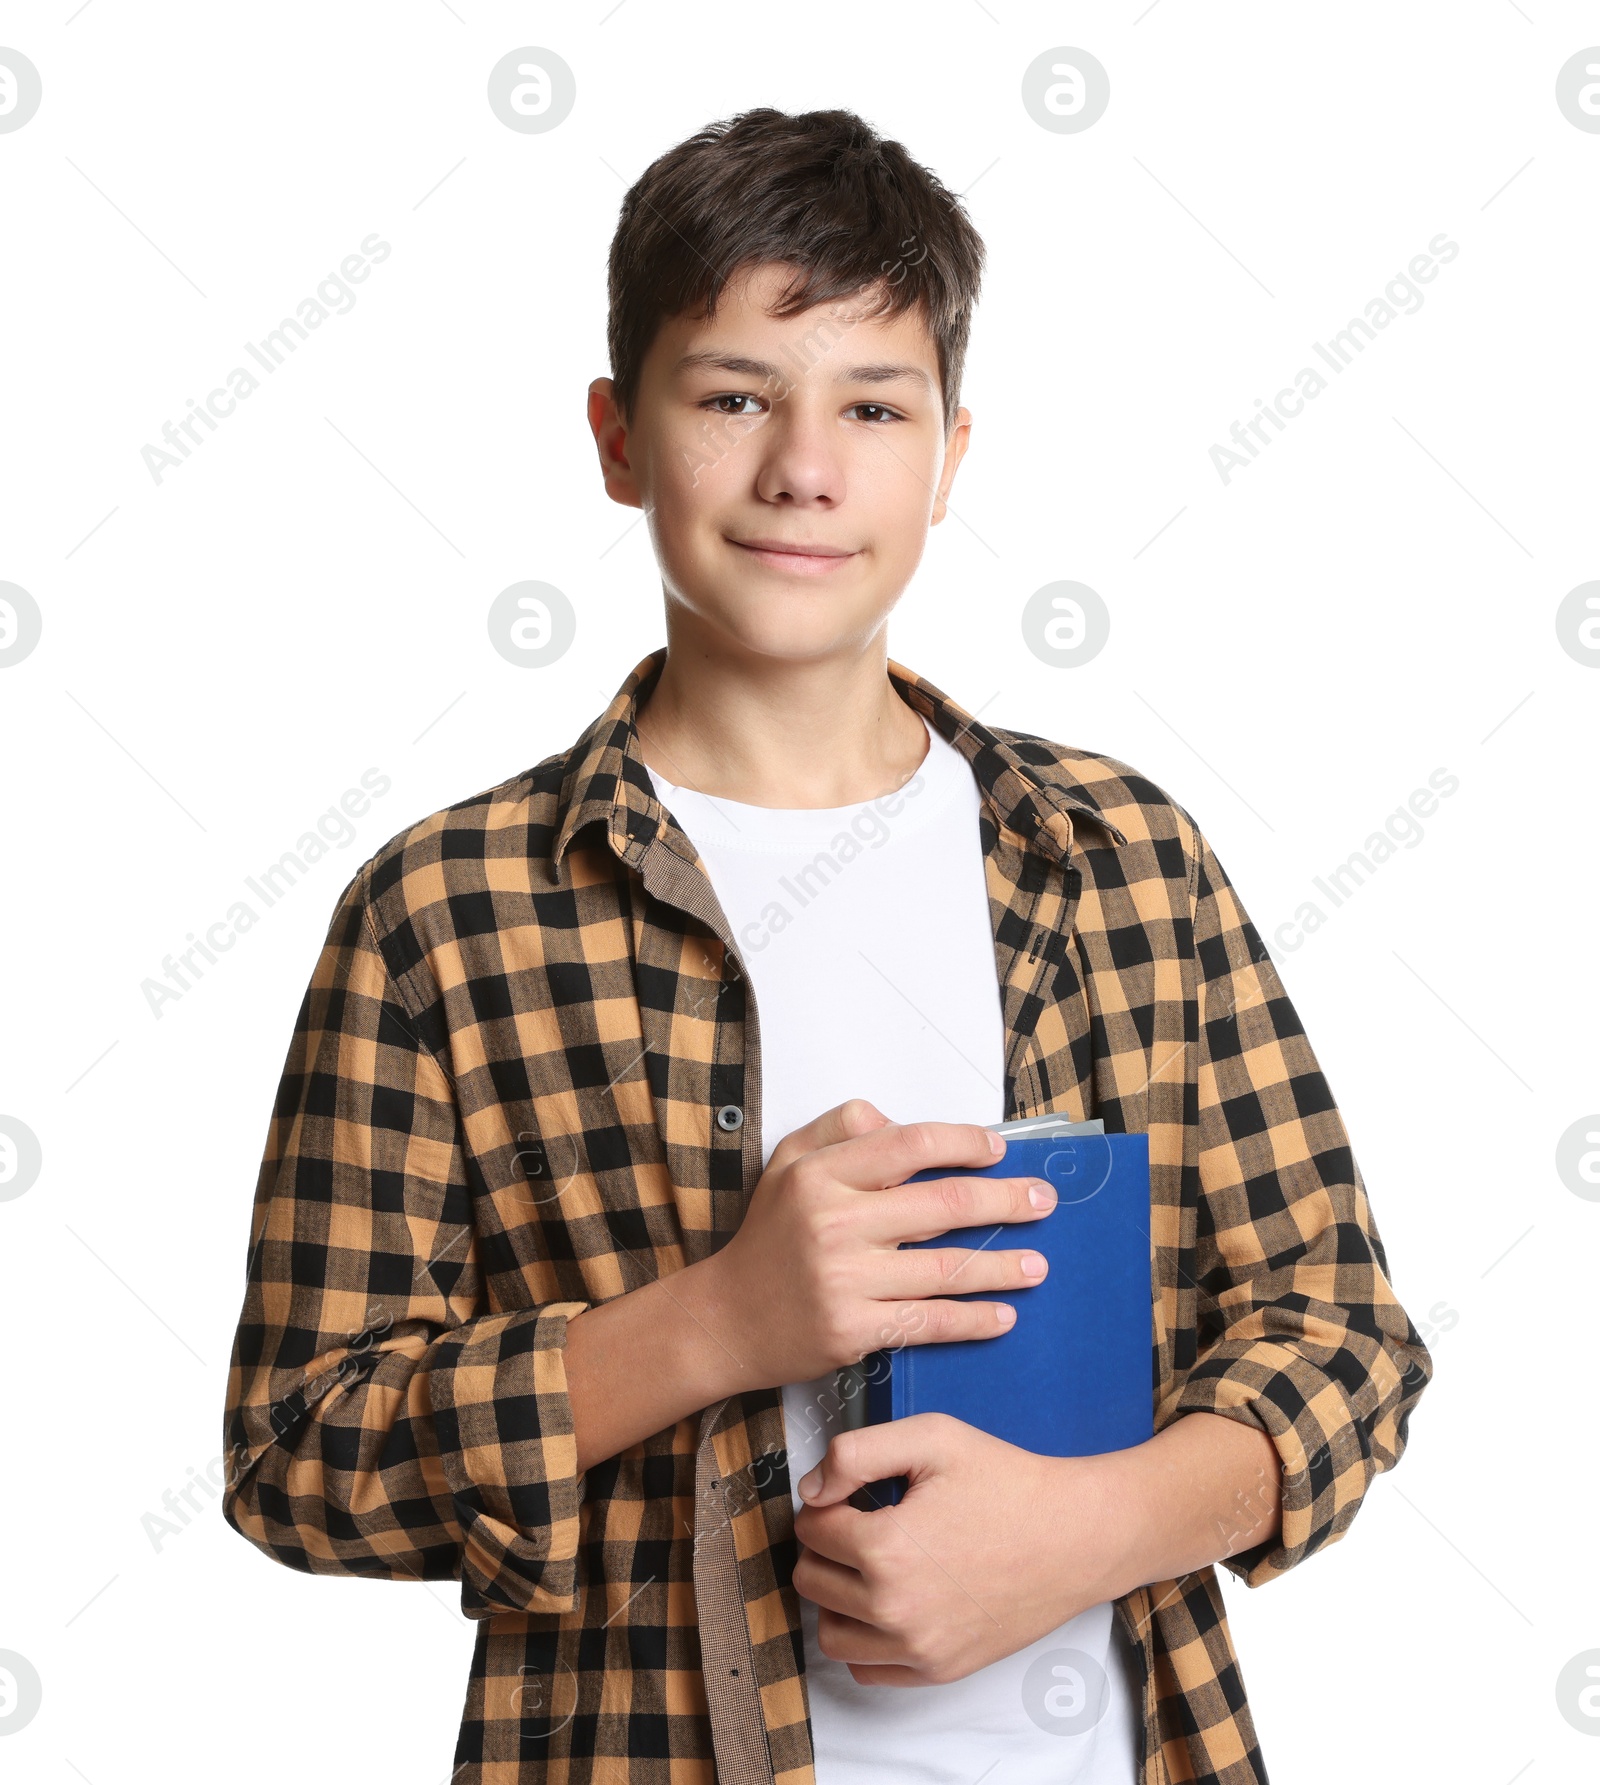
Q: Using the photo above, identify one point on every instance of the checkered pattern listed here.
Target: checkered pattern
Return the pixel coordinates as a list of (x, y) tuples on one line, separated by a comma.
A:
[(498, 1109)]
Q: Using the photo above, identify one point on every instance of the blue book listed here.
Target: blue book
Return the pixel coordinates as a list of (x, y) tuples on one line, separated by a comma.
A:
[(1073, 1376)]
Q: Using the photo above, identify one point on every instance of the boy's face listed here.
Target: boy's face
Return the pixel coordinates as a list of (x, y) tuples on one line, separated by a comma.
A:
[(822, 433)]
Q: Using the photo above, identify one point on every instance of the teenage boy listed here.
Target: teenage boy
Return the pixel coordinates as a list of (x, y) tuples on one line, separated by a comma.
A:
[(587, 1173)]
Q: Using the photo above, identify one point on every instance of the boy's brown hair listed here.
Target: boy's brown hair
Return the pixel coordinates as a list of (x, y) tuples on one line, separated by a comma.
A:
[(821, 190)]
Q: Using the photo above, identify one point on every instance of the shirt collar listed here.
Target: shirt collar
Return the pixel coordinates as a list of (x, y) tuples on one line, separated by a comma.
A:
[(608, 783)]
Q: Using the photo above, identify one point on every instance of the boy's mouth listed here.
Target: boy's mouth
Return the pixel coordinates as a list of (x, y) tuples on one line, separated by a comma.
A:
[(795, 557)]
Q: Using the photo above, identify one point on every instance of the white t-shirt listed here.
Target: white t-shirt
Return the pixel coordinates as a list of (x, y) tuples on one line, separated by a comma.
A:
[(866, 935)]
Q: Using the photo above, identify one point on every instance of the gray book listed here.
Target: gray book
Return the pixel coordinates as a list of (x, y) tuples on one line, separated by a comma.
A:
[(1043, 1127)]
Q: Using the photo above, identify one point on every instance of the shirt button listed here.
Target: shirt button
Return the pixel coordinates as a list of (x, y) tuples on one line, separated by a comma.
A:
[(730, 1117)]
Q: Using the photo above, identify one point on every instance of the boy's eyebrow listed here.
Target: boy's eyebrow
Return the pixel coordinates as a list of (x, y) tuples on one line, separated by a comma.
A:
[(882, 372)]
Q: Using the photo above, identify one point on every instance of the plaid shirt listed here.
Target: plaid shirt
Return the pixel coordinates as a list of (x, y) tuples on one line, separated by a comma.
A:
[(526, 1078)]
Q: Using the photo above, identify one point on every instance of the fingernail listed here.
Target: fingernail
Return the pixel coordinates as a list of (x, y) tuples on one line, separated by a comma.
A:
[(1041, 1195), (810, 1484), (997, 1144), (1032, 1264), (1005, 1314)]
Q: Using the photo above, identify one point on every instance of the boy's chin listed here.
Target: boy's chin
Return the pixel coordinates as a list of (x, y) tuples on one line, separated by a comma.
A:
[(800, 628), (811, 641)]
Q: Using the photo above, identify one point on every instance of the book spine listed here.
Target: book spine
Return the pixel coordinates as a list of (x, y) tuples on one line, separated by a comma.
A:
[(885, 1397), (879, 1368)]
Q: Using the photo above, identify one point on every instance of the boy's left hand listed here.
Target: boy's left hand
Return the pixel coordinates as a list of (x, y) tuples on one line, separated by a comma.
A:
[(991, 1548)]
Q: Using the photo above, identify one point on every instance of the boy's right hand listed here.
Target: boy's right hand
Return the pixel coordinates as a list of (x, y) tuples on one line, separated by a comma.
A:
[(813, 1279)]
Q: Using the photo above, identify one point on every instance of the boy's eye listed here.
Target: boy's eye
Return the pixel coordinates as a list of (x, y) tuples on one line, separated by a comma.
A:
[(730, 397), (731, 403)]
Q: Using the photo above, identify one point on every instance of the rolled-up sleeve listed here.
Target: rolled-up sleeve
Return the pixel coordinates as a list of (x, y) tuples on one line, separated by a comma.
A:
[(381, 1420), (1300, 1332)]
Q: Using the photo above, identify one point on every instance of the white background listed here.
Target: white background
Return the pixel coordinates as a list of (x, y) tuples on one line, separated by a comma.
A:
[(224, 653)]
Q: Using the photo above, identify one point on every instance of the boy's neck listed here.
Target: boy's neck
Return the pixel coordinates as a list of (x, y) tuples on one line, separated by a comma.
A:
[(764, 731)]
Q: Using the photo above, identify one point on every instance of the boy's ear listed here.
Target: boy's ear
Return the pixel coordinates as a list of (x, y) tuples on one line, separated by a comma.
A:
[(611, 442), (954, 451)]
